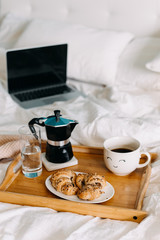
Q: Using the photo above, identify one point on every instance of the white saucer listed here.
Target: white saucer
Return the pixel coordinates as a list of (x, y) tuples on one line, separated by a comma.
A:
[(54, 166), (108, 193)]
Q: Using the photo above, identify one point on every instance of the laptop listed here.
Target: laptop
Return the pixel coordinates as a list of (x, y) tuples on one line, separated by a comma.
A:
[(37, 76)]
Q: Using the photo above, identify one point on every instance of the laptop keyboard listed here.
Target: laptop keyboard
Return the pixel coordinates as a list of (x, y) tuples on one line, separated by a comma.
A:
[(35, 94)]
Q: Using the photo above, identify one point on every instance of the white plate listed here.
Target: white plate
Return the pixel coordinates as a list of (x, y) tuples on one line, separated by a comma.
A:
[(107, 194)]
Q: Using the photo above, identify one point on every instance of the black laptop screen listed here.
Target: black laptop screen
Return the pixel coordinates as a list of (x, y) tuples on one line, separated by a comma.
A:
[(36, 67)]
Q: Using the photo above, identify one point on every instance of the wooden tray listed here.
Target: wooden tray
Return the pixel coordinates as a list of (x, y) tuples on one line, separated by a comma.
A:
[(125, 205)]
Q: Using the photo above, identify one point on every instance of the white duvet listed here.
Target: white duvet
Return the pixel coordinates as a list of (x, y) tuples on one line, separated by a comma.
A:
[(111, 113), (123, 109)]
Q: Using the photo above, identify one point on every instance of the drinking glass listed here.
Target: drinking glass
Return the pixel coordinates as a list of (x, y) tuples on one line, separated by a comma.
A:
[(30, 152)]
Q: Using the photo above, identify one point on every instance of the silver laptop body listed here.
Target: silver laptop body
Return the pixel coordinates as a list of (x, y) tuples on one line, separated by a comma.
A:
[(37, 76)]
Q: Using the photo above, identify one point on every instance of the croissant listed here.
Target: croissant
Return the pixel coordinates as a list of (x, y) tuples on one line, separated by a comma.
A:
[(88, 193), (90, 186), (64, 181), (92, 179), (86, 186)]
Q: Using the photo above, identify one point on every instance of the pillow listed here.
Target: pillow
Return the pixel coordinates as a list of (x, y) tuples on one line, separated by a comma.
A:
[(93, 54), (2, 64), (154, 65), (10, 29), (131, 71), (20, 8)]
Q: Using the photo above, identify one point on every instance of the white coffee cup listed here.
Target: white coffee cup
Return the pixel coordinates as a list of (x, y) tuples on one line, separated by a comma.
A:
[(122, 155)]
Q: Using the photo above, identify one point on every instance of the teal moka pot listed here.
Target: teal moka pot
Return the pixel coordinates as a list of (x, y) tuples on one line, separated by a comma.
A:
[(58, 131)]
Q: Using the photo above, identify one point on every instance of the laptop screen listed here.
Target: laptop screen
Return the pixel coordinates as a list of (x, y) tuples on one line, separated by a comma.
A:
[(36, 67)]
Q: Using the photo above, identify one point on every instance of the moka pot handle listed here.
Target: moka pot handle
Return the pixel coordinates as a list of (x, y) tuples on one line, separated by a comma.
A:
[(38, 121)]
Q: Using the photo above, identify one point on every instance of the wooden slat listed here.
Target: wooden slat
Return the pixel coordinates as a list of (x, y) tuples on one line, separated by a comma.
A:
[(143, 188), (80, 208), (10, 175)]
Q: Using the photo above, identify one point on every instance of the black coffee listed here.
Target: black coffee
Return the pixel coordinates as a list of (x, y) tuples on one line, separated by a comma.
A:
[(122, 150)]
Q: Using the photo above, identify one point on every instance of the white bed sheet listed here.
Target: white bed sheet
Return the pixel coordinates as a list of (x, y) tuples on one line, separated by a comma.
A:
[(109, 114), (105, 112)]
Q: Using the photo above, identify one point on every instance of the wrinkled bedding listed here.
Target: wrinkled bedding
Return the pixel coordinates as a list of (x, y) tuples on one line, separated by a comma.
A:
[(130, 106)]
